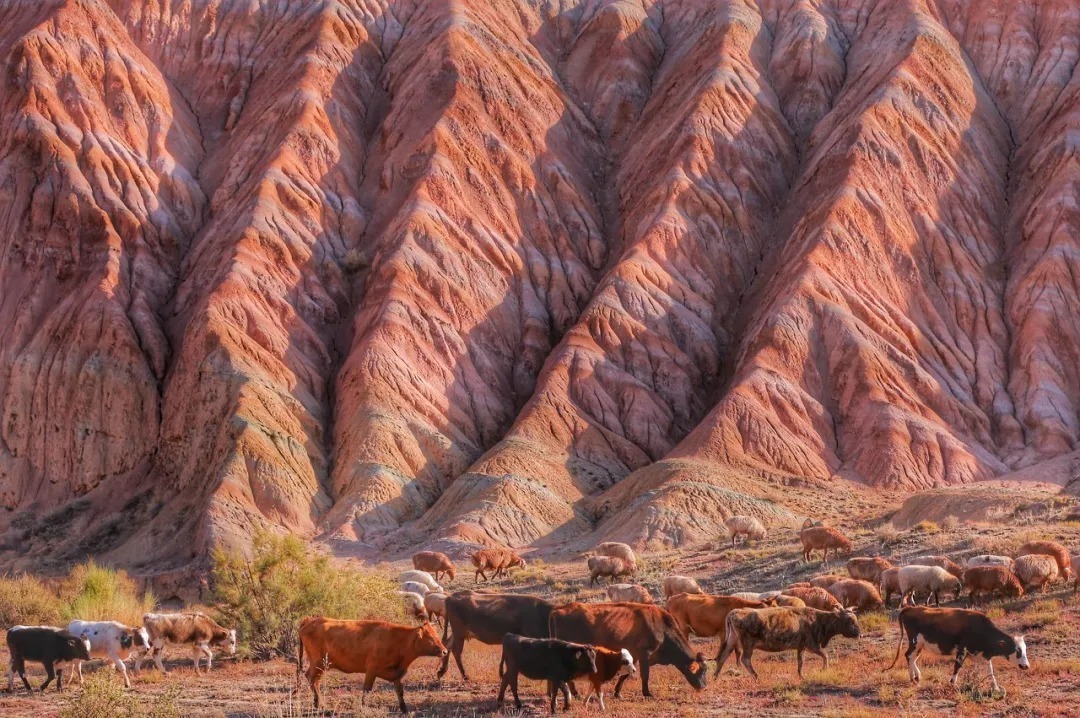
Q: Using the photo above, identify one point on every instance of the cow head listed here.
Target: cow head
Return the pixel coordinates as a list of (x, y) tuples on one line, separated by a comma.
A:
[(847, 624), (584, 660), (1019, 654), (229, 642), (141, 637), (626, 665), (450, 573), (697, 672), (79, 647), (428, 643)]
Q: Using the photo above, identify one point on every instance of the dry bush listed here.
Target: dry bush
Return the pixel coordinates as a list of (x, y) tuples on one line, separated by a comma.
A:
[(1000, 514), (927, 527), (25, 600), (535, 571), (96, 593), (102, 696), (887, 533), (950, 523), (874, 621), (265, 597)]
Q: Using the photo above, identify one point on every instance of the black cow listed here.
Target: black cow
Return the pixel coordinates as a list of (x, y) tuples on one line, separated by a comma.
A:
[(52, 647), (957, 632), (544, 659), (488, 617)]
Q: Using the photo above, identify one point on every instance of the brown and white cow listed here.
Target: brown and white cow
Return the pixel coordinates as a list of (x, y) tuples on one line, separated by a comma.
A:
[(784, 629), (609, 665), (956, 632), (375, 648), (108, 639), (195, 628)]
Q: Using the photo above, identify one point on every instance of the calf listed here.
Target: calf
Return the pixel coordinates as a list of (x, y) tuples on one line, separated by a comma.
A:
[(195, 628), (543, 659), (52, 647), (817, 598), (375, 648), (107, 640), (648, 632), (784, 629), (609, 665), (956, 632), (489, 617)]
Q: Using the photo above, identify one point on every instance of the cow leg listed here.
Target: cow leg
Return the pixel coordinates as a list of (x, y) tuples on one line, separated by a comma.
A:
[(50, 672), (566, 696), (196, 655), (514, 690), (159, 649), (993, 679), (798, 661), (958, 663), (821, 652), (205, 648), (314, 676), (748, 654), (600, 695), (369, 683), (399, 688), (645, 678), (915, 646), (502, 688), (77, 671), (725, 650), (553, 695)]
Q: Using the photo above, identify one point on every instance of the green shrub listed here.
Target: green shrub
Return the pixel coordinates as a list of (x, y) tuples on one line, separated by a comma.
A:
[(25, 600), (265, 596), (103, 696), (97, 593)]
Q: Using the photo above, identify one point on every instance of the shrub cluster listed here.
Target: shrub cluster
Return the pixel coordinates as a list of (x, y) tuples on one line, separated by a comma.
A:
[(90, 592)]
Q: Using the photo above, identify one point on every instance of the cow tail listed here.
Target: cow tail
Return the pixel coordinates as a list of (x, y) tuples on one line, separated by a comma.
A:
[(899, 644), (299, 661), (502, 662), (551, 626)]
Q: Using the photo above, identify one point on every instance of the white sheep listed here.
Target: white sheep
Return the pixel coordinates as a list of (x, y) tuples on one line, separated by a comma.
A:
[(746, 526), (629, 592), (421, 577), (987, 559), (932, 579), (1035, 571), (674, 585), (414, 605), (435, 605), (751, 596), (414, 587)]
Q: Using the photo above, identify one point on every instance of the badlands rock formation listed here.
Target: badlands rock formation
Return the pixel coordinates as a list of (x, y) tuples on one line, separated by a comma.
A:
[(388, 271)]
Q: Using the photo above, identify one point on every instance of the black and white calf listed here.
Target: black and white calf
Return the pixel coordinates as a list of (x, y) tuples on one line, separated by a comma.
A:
[(52, 647), (957, 632), (544, 659), (110, 639)]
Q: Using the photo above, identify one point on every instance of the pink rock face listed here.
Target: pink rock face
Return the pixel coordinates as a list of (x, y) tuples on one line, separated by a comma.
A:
[(518, 273)]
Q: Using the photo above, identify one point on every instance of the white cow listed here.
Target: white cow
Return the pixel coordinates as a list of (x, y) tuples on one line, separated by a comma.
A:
[(108, 639)]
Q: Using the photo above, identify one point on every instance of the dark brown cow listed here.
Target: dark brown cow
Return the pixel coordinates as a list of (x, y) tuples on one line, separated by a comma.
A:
[(958, 632), (375, 648), (544, 659), (784, 629), (488, 617), (649, 632), (52, 647)]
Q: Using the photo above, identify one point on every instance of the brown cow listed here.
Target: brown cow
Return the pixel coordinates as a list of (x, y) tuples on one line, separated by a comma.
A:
[(704, 614), (488, 617), (823, 538), (817, 598), (194, 628), (857, 594), (991, 580), (495, 559), (868, 568), (433, 562), (784, 629), (609, 665), (375, 648), (649, 632)]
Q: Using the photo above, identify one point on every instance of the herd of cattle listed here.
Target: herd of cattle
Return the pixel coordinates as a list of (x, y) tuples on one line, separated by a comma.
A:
[(604, 642)]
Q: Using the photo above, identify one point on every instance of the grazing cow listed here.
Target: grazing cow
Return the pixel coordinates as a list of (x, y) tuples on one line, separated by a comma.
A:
[(956, 632), (823, 538), (648, 632), (609, 566), (414, 587), (620, 551), (435, 563), (196, 628), (543, 659), (609, 665), (375, 648), (52, 647), (498, 560), (421, 577), (817, 598), (705, 615), (941, 562), (488, 617), (858, 595), (674, 585), (107, 640), (628, 592), (1059, 553), (747, 526), (868, 569), (991, 580), (784, 629)]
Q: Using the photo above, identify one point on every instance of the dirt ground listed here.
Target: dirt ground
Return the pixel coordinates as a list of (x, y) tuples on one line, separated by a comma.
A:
[(856, 684)]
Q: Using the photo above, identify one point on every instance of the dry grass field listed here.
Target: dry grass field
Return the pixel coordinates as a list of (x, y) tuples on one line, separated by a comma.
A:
[(855, 685)]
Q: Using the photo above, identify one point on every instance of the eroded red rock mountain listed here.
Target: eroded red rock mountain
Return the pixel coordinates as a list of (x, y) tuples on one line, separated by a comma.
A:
[(387, 273)]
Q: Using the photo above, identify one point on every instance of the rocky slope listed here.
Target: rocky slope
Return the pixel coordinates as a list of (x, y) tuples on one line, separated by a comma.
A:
[(523, 272)]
